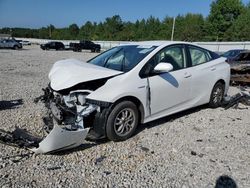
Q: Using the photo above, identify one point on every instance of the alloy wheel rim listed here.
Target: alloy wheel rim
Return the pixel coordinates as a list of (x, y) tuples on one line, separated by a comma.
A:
[(218, 94), (124, 122)]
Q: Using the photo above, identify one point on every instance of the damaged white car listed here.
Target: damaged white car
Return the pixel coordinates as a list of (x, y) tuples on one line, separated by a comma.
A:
[(131, 84)]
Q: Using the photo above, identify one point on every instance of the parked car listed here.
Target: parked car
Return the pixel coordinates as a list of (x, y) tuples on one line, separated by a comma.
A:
[(10, 43), (52, 45), (25, 42), (240, 68), (231, 54), (243, 56), (127, 85), (67, 47), (85, 45)]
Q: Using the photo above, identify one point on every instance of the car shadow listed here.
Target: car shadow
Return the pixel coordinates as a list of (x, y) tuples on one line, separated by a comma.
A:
[(5, 105), (81, 147), (139, 129), (169, 118), (24, 49), (171, 79)]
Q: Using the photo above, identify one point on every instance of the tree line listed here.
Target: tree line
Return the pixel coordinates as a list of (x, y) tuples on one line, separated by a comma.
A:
[(228, 20)]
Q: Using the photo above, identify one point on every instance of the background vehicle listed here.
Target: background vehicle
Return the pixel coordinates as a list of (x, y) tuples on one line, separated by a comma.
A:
[(10, 43), (231, 54), (52, 45), (242, 57), (85, 45), (25, 42), (130, 84), (240, 68)]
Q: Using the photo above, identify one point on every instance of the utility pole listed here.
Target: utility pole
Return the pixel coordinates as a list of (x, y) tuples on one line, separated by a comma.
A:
[(172, 36), (50, 31)]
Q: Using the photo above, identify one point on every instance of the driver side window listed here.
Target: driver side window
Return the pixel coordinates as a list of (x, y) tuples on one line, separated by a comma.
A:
[(174, 55)]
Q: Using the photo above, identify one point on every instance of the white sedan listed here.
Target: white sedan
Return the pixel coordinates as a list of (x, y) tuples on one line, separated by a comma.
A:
[(129, 85)]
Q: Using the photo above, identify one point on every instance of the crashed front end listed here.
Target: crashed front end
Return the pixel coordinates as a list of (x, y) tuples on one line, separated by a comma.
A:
[(68, 120), (71, 116)]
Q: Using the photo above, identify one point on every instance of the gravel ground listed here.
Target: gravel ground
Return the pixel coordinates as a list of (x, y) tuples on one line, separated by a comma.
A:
[(196, 148)]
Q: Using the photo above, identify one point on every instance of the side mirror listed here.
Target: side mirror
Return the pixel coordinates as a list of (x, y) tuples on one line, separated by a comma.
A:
[(163, 67)]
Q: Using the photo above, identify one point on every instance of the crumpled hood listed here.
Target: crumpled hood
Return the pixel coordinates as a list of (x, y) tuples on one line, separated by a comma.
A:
[(70, 72)]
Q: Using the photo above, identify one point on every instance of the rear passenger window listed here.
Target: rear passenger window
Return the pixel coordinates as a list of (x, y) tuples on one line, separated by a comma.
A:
[(199, 56)]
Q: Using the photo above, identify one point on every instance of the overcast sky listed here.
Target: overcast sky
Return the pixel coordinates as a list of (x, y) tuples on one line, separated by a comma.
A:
[(62, 13)]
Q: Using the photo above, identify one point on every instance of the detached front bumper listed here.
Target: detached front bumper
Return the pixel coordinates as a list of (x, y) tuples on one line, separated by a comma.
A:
[(65, 136), (67, 121), (61, 139)]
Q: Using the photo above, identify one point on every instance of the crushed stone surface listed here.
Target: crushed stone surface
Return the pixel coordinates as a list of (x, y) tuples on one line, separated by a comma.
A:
[(201, 147)]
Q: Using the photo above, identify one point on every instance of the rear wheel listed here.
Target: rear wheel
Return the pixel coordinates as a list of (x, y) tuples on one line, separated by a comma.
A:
[(15, 47), (217, 94), (122, 121)]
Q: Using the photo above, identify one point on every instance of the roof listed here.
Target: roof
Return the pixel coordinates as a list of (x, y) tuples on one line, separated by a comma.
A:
[(154, 43)]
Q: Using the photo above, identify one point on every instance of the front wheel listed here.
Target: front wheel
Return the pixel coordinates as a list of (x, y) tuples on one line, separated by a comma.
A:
[(217, 94), (122, 121)]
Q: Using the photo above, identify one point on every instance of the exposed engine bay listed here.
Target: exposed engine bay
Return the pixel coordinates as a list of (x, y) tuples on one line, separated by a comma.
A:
[(66, 120)]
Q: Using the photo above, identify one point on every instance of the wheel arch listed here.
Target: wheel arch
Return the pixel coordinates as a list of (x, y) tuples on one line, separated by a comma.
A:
[(215, 100), (137, 102), (221, 81)]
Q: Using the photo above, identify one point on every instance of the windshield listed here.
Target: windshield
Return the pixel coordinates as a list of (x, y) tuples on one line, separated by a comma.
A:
[(122, 58)]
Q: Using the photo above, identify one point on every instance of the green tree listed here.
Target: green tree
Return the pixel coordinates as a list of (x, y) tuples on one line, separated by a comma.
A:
[(87, 31), (73, 31), (112, 27), (140, 30), (153, 27), (189, 27), (166, 28), (128, 32), (240, 30), (43, 33), (99, 32), (222, 15)]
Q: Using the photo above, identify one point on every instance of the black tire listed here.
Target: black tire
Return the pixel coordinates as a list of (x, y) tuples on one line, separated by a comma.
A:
[(97, 50), (122, 121), (217, 94), (15, 47)]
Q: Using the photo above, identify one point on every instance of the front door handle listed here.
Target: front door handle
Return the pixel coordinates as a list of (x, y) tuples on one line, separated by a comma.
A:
[(213, 68), (187, 75)]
